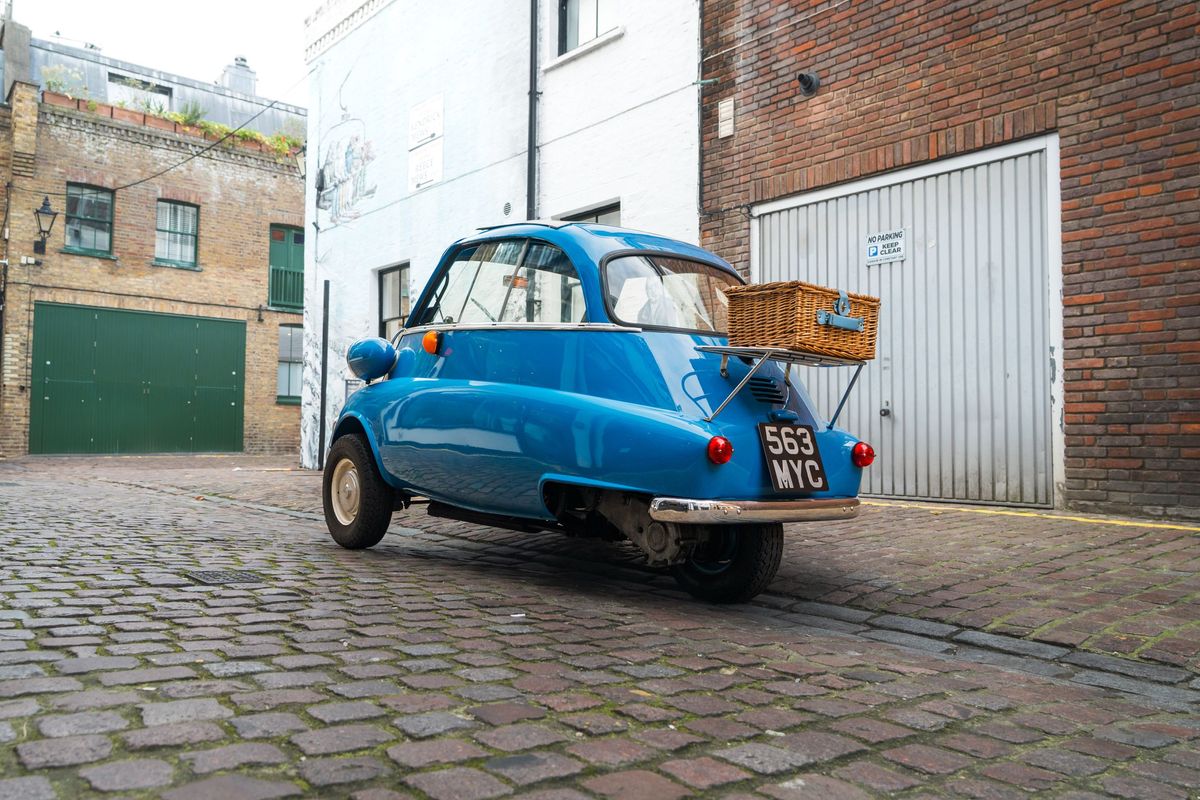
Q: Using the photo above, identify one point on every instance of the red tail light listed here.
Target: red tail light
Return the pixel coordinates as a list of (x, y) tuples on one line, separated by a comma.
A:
[(863, 455), (720, 450)]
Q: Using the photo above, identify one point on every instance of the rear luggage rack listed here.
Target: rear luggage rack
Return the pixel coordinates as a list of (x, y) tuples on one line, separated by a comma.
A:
[(757, 356)]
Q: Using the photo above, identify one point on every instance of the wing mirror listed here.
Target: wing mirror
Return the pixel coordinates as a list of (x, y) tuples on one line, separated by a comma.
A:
[(371, 359)]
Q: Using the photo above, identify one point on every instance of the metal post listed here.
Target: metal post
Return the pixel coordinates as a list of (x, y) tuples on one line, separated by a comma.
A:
[(324, 375)]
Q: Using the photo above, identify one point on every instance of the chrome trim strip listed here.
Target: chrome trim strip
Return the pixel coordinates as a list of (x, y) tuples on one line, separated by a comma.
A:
[(702, 512), (523, 326)]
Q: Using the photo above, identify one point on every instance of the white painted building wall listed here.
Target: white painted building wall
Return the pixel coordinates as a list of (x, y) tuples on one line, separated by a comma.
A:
[(620, 119), (618, 122)]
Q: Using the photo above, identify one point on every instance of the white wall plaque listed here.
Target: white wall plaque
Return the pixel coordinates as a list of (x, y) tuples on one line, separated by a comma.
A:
[(425, 166), (425, 122)]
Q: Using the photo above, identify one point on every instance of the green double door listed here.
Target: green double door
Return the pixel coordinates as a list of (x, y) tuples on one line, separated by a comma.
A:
[(108, 381)]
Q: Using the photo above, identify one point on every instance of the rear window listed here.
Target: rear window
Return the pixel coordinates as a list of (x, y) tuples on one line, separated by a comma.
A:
[(662, 292)]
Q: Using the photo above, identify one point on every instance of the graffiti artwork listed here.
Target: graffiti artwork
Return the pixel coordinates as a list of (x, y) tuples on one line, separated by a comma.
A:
[(342, 181)]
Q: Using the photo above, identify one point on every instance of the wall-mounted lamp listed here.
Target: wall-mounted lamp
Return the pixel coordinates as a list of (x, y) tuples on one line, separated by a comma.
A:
[(302, 161), (260, 310), (809, 83), (45, 220)]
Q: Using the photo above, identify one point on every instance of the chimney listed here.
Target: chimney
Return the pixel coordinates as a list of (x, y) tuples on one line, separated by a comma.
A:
[(238, 77)]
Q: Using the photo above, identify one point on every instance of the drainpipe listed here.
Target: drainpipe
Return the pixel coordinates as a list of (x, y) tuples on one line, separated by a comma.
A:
[(531, 146), (324, 374)]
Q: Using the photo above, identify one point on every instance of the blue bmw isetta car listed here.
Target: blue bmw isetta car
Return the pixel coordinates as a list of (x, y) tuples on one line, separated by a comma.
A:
[(577, 378)]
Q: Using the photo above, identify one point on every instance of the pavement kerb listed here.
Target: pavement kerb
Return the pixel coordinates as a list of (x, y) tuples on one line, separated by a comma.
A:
[(1164, 685)]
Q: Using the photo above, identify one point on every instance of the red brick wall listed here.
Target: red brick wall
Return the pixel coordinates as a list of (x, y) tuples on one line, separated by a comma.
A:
[(906, 82)]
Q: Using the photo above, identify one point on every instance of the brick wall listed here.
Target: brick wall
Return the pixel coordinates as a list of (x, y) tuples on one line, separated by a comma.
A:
[(240, 194), (906, 82)]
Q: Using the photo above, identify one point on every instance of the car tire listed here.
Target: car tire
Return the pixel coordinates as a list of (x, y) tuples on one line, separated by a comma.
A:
[(750, 558), (358, 502)]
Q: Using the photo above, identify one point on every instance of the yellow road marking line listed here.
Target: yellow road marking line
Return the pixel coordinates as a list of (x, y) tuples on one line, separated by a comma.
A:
[(1038, 514)]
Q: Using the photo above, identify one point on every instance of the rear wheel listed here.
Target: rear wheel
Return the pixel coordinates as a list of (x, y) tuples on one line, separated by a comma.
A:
[(733, 564), (358, 503)]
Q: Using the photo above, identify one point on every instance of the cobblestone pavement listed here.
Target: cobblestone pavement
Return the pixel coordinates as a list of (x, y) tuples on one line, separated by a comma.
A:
[(1122, 589), (437, 666)]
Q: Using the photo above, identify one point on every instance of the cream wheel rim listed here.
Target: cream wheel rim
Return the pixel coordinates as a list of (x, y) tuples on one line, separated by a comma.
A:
[(346, 491)]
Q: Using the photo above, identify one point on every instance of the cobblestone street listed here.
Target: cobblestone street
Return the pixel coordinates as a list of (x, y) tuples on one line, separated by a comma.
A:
[(911, 653)]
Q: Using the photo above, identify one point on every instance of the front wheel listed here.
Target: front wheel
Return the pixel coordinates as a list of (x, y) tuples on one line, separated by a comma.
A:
[(733, 564), (358, 503)]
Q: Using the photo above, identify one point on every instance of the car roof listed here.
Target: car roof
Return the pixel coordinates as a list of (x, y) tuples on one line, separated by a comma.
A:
[(597, 241)]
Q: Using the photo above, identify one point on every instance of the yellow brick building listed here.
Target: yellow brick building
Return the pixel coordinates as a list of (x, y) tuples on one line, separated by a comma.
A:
[(165, 313)]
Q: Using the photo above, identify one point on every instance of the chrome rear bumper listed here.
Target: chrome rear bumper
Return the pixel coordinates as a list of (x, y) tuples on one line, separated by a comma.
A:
[(708, 512)]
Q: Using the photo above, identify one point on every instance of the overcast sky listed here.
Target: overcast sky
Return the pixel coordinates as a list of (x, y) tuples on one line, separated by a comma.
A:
[(195, 41)]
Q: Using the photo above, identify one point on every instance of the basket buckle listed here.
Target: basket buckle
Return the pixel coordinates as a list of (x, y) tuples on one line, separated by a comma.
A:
[(840, 316)]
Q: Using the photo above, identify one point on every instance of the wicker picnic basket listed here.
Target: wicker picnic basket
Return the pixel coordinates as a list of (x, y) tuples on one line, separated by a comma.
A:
[(788, 314)]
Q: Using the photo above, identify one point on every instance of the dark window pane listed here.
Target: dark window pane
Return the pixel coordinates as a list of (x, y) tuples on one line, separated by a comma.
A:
[(176, 225), (89, 218), (581, 21), (290, 368)]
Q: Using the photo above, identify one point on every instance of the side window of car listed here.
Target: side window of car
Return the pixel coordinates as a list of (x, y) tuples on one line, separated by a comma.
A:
[(471, 291), (492, 282), (545, 288)]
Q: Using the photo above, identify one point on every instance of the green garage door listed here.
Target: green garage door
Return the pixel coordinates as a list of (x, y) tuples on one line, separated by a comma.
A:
[(107, 381)]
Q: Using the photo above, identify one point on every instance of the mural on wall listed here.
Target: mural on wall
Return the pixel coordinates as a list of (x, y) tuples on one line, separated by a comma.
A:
[(342, 181), (339, 386)]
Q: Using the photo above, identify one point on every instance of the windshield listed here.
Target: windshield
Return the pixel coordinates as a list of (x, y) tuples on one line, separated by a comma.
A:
[(668, 293)]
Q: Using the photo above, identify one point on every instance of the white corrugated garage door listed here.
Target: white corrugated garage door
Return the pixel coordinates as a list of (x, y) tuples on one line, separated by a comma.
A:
[(965, 359)]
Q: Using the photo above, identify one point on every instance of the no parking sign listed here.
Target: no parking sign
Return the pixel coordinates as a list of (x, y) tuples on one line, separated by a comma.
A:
[(885, 246)]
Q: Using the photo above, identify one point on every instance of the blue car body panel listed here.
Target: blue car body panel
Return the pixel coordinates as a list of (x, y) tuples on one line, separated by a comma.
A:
[(498, 412)]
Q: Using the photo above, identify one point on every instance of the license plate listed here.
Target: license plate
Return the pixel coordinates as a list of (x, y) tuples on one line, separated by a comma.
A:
[(793, 460)]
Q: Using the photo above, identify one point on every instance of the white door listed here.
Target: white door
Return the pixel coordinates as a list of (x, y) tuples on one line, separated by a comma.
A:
[(957, 403)]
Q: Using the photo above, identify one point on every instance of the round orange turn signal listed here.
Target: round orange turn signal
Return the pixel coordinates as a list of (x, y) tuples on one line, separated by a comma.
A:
[(432, 342)]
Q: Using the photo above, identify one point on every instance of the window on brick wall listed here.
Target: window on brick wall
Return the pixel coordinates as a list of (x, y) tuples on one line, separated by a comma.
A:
[(580, 21), (177, 228), (393, 300), (89, 220), (291, 364)]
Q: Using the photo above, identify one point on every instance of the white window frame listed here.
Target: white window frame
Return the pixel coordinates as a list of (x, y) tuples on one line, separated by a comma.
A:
[(562, 13)]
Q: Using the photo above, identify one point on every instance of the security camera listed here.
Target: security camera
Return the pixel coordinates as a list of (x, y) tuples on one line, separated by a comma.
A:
[(809, 83)]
